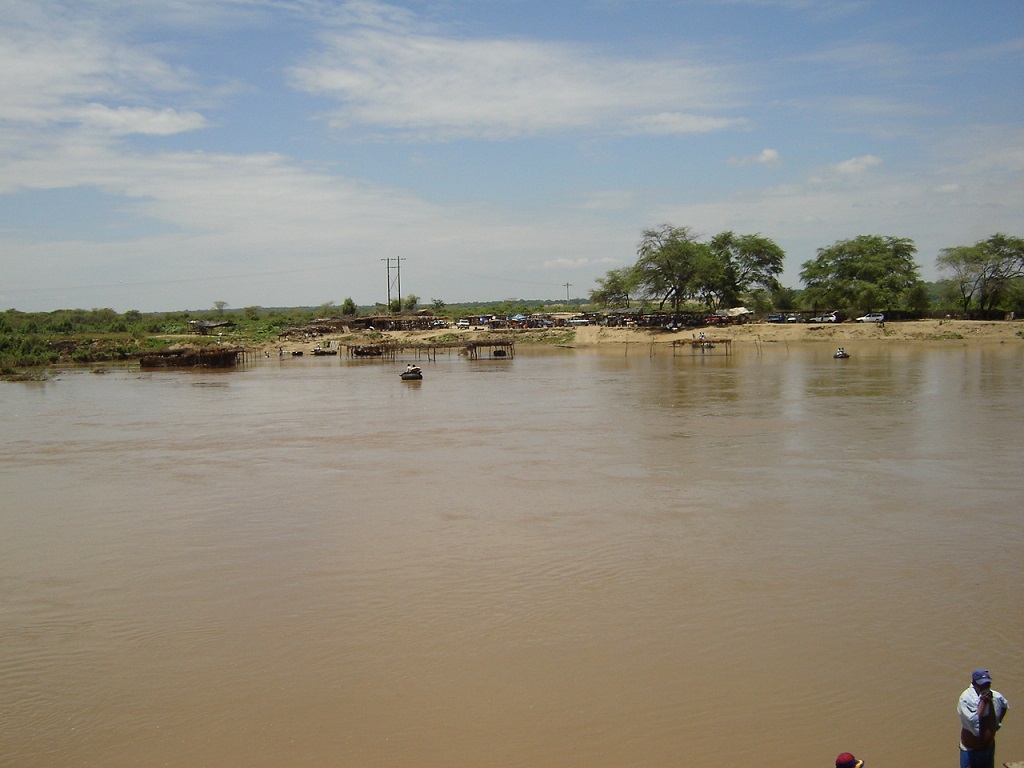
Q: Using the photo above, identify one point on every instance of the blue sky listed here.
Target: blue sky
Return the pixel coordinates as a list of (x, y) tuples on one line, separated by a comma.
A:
[(167, 154)]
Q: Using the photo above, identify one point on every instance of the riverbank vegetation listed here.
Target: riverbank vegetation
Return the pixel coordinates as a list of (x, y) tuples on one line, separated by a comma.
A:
[(862, 274), (674, 271), (29, 339)]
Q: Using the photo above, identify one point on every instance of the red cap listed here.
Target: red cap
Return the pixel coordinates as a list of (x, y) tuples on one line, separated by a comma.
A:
[(846, 760)]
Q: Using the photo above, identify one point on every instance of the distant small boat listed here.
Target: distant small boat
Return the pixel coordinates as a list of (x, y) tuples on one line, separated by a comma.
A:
[(412, 374), (841, 354), (322, 351)]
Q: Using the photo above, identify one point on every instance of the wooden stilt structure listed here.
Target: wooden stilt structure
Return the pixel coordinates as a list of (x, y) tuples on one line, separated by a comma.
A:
[(704, 346)]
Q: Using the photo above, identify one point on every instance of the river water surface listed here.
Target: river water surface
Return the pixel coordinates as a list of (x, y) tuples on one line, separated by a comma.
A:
[(595, 558)]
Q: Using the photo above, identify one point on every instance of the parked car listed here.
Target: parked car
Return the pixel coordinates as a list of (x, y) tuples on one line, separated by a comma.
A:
[(792, 319), (872, 317), (828, 317), (462, 323), (775, 317)]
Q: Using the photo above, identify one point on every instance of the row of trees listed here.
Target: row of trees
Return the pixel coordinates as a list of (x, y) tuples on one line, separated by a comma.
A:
[(674, 268)]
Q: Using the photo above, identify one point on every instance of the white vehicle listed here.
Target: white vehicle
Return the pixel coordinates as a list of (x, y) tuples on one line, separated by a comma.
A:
[(462, 323), (872, 317)]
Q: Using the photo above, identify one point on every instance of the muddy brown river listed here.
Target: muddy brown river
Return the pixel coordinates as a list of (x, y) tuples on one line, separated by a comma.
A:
[(602, 558)]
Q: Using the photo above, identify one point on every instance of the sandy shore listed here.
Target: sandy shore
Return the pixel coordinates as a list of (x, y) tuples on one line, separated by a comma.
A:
[(945, 331), (953, 331)]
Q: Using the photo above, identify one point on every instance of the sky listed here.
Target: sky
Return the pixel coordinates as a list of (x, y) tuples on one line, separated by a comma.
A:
[(163, 155)]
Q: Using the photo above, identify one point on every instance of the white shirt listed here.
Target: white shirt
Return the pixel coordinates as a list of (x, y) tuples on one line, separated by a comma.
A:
[(967, 707)]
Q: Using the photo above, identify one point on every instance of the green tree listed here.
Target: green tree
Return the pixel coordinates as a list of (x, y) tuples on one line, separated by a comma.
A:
[(667, 263), (784, 298), (714, 279), (348, 307), (1014, 301), (438, 305), (918, 299), (410, 302), (673, 267), (761, 301), (983, 273), (615, 288), (753, 261), (866, 272)]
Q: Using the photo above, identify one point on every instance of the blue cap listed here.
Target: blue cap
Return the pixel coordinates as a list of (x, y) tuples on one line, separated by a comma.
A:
[(981, 677)]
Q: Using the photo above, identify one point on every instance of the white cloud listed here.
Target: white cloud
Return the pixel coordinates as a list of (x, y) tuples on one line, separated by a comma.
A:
[(126, 120), (767, 156), (677, 123), (390, 78), (856, 165), (57, 73)]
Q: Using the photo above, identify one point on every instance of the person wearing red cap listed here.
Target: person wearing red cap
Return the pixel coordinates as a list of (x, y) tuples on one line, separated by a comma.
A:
[(981, 714), (846, 760)]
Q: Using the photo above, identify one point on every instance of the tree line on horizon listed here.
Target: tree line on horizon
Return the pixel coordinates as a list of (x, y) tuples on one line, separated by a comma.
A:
[(674, 269)]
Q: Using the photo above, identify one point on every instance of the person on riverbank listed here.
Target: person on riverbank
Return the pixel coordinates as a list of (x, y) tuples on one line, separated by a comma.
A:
[(981, 712), (846, 760)]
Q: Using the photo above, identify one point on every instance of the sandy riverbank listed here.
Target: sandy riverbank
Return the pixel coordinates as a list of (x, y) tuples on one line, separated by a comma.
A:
[(953, 331), (945, 331)]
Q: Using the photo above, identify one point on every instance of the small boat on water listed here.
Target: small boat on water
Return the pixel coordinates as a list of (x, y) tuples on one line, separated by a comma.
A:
[(841, 354), (412, 373), (321, 351)]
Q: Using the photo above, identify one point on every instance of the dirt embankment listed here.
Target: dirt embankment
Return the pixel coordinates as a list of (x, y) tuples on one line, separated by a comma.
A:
[(909, 331), (951, 331)]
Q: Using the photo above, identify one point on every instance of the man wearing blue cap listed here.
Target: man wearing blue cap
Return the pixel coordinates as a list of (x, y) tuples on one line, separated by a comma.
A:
[(981, 715)]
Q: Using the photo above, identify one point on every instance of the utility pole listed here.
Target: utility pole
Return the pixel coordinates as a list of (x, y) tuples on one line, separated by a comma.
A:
[(388, 260), (567, 292), (398, 270)]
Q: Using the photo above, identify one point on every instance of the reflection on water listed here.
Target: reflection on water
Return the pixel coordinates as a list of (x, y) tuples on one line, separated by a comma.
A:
[(604, 558)]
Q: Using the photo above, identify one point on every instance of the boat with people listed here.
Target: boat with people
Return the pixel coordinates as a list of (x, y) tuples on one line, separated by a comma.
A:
[(841, 354), (412, 373)]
